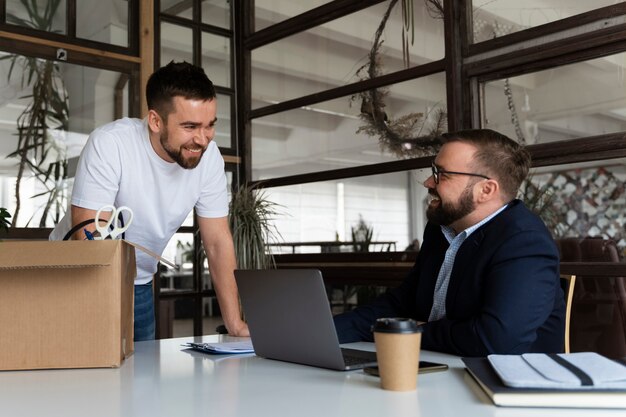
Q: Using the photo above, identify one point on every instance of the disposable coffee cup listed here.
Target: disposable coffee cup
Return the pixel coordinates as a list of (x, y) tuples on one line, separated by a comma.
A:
[(398, 352)]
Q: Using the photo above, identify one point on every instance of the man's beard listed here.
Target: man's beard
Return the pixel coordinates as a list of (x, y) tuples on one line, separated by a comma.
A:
[(445, 214), (177, 154)]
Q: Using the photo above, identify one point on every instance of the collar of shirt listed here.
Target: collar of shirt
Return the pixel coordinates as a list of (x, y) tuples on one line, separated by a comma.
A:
[(449, 233)]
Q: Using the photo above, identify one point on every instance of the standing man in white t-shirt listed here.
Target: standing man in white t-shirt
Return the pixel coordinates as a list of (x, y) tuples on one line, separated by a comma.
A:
[(163, 167)]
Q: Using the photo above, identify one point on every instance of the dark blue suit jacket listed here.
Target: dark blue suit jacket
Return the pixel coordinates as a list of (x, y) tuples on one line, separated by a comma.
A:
[(504, 294)]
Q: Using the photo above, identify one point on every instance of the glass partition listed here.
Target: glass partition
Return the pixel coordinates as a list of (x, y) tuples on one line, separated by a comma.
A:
[(269, 12), (103, 21), (223, 127), (572, 101), (77, 100), (40, 15), (177, 8), (212, 12), (496, 18), (330, 216), (343, 133), (216, 58), (176, 43), (336, 53), (216, 13)]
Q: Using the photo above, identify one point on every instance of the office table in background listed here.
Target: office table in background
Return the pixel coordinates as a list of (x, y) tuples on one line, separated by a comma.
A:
[(162, 379)]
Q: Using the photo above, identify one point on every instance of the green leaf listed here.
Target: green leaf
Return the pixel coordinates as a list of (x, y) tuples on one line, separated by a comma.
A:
[(4, 219), (249, 220)]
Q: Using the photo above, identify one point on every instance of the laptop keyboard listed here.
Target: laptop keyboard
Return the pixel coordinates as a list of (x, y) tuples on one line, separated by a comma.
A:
[(353, 357)]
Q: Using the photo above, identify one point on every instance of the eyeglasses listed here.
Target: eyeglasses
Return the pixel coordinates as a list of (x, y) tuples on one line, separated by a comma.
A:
[(437, 172)]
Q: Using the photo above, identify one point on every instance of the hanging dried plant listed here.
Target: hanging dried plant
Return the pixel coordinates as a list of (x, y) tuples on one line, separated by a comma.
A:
[(408, 20), (513, 111), (411, 135), (435, 8), (499, 30)]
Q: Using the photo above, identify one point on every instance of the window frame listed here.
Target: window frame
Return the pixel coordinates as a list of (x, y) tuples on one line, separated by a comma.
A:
[(466, 66)]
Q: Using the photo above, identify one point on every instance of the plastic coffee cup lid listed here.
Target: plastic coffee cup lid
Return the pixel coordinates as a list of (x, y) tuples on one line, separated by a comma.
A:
[(396, 325)]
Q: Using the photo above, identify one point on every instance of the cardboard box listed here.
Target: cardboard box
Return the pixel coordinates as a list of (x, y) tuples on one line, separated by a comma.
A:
[(66, 304)]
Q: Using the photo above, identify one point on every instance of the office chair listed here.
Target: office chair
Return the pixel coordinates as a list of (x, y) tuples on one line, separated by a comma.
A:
[(598, 317), (567, 284)]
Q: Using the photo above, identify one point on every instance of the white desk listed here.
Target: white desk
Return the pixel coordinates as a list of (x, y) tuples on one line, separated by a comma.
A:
[(161, 379)]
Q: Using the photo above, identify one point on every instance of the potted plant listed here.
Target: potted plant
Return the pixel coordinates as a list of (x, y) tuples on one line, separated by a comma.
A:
[(4, 220), (250, 218), (540, 199), (362, 235)]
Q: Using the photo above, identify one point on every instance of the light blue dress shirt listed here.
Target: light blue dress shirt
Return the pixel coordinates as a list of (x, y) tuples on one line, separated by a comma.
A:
[(438, 310)]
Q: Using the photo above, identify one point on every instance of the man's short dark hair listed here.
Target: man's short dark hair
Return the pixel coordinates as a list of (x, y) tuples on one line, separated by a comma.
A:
[(177, 79), (497, 156)]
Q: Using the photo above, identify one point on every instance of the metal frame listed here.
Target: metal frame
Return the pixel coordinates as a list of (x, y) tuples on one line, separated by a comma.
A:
[(466, 66), (70, 27)]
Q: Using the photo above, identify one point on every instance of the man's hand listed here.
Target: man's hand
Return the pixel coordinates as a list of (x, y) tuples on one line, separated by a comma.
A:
[(240, 329)]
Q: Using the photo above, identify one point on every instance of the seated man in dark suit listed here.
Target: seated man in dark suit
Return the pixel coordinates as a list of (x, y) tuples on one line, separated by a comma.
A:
[(486, 279)]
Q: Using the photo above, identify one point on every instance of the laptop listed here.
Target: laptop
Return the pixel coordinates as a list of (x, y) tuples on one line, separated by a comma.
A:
[(289, 319)]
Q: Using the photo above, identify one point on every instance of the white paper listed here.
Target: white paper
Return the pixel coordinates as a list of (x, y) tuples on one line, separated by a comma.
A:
[(224, 347)]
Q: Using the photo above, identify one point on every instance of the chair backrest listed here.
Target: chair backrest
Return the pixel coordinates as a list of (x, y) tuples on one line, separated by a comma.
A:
[(598, 315), (569, 249), (567, 284)]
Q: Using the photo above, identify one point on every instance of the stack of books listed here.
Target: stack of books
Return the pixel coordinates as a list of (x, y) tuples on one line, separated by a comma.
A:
[(574, 380)]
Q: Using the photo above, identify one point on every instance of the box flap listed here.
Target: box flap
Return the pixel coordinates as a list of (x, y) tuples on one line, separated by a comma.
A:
[(154, 255), (57, 254)]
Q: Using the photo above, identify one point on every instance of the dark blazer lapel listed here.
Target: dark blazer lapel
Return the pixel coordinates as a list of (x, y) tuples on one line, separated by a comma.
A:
[(471, 253), (433, 251), (464, 265)]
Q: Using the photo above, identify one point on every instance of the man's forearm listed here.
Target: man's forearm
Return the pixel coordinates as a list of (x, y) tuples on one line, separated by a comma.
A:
[(227, 296), (222, 265)]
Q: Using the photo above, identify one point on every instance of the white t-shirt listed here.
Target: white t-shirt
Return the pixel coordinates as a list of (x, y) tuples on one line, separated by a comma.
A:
[(119, 166)]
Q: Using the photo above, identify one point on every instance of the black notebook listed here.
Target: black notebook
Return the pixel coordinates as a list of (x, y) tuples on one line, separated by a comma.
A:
[(481, 371)]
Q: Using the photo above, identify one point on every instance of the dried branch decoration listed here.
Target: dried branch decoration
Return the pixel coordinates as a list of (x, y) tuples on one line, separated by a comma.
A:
[(508, 92), (408, 136), (435, 8)]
